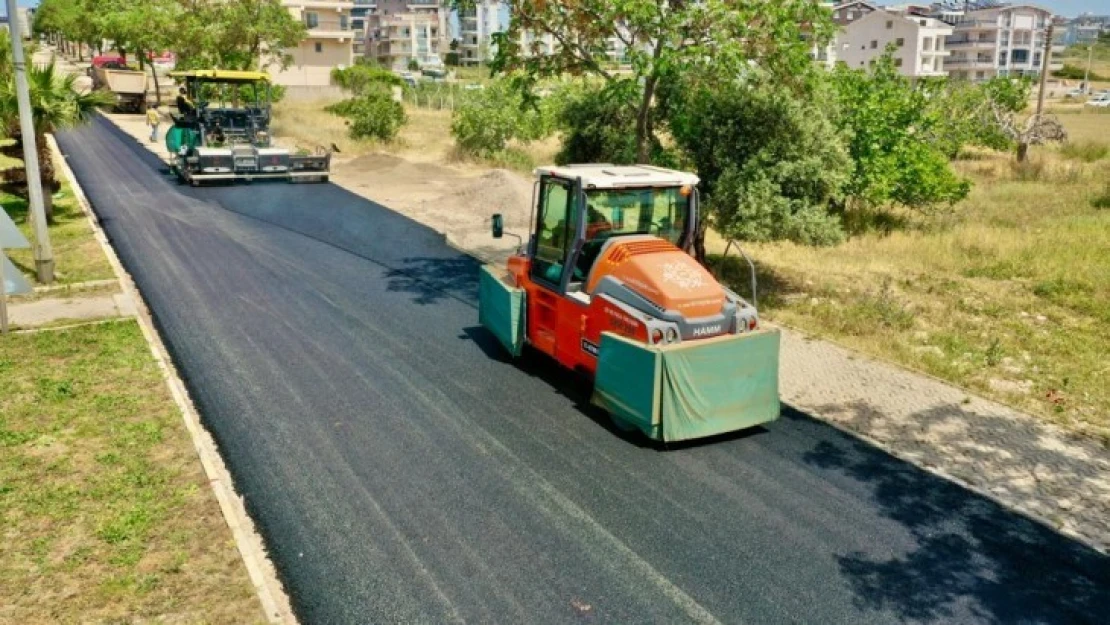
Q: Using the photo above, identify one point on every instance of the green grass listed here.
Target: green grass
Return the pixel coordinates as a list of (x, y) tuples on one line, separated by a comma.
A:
[(107, 515), (77, 255), (1014, 286)]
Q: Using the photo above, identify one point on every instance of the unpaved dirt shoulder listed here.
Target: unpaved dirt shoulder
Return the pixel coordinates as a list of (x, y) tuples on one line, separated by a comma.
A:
[(1011, 457)]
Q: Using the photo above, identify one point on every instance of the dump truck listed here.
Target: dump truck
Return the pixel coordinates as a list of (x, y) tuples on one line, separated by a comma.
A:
[(225, 136), (112, 74), (605, 286)]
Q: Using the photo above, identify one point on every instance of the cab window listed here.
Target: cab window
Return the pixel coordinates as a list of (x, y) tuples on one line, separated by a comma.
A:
[(555, 231)]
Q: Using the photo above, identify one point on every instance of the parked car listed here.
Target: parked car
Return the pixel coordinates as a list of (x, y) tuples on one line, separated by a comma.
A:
[(1075, 93), (1101, 100)]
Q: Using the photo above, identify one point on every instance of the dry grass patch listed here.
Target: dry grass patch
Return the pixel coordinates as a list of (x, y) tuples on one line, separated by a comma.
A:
[(1009, 295), (307, 125), (106, 513)]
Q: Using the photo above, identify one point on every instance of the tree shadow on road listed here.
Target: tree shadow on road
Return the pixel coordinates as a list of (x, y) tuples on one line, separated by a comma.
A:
[(431, 279), (971, 554)]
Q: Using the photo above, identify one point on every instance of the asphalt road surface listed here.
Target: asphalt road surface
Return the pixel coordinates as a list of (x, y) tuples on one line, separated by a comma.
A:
[(402, 470)]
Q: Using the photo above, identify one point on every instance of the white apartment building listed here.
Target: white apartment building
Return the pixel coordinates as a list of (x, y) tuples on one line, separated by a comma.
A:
[(328, 44), (1000, 41), (399, 32), (477, 25), (919, 42)]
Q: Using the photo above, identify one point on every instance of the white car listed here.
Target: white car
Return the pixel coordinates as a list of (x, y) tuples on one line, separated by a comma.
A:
[(1101, 100)]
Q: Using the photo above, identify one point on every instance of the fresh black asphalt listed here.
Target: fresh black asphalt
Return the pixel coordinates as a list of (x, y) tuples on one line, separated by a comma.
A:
[(402, 470)]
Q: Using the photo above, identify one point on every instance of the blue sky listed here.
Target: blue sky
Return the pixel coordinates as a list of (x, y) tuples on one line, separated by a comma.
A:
[(1069, 8)]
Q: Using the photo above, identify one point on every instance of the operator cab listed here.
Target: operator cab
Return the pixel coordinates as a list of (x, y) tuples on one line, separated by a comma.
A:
[(580, 209)]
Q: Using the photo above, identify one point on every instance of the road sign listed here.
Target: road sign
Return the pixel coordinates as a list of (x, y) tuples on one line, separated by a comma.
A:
[(11, 280), (10, 236)]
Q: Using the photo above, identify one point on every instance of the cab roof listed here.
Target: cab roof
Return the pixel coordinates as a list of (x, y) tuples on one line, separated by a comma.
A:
[(605, 176), (222, 75)]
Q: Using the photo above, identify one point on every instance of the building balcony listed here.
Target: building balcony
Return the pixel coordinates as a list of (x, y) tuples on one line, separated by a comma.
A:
[(309, 5), (960, 43), (329, 29), (956, 62), (976, 25)]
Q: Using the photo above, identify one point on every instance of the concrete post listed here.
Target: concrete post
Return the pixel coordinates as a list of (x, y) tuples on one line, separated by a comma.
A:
[(44, 254)]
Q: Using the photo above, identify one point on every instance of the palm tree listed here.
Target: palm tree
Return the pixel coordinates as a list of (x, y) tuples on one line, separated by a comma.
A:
[(56, 105)]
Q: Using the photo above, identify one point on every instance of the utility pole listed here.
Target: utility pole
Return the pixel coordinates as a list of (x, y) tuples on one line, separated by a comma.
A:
[(1023, 142), (44, 255), (1087, 74), (1044, 67)]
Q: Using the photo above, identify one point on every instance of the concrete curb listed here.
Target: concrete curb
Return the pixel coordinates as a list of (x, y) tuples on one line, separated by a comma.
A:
[(263, 575)]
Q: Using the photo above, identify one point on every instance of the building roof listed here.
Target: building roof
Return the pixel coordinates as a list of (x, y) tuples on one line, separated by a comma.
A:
[(222, 75), (1008, 7), (606, 176)]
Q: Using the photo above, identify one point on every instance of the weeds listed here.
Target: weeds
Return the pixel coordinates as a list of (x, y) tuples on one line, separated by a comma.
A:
[(1086, 151)]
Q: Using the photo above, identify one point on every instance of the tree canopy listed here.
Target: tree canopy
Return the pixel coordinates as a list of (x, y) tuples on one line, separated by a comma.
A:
[(230, 34), (648, 40)]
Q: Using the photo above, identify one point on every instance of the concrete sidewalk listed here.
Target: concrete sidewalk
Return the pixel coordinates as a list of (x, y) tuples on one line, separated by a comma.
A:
[(53, 310)]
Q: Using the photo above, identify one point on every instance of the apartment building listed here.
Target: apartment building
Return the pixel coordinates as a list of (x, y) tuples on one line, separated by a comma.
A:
[(847, 12), (360, 14), (919, 42), (399, 32), (476, 26), (999, 41), (328, 44)]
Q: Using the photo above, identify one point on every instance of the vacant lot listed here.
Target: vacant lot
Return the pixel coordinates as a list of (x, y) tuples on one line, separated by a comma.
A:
[(105, 512), (1008, 295)]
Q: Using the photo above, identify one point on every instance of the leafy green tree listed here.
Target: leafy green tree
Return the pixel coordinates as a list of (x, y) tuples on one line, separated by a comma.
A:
[(772, 164), (661, 38), (55, 105), (372, 115), (891, 137), (237, 34), (486, 121), (598, 124), (362, 77)]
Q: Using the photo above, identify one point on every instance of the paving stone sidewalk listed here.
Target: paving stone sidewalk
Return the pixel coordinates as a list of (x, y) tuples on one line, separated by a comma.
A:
[(1019, 461)]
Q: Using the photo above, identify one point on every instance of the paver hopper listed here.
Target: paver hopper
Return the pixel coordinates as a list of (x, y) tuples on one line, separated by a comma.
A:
[(604, 287)]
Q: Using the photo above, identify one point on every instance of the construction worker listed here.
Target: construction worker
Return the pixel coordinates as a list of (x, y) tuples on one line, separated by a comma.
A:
[(153, 119), (185, 106)]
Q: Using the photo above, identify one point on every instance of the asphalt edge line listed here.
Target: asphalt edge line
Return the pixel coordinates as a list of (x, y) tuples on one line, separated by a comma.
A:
[(260, 569)]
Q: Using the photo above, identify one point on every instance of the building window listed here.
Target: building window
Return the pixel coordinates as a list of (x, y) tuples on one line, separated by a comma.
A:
[(898, 62), (900, 42), (311, 20), (851, 15), (343, 22), (1036, 59), (319, 47), (874, 44), (836, 14)]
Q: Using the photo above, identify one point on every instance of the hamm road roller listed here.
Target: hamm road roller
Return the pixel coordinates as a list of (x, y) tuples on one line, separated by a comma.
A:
[(605, 287)]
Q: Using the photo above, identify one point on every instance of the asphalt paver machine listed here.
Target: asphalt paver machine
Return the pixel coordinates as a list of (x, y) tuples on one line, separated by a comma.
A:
[(604, 286), (225, 136)]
